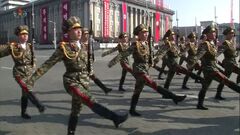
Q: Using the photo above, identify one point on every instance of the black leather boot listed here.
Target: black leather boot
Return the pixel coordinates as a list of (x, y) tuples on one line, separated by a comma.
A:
[(108, 114), (72, 123), (238, 79), (218, 95), (102, 86), (24, 103), (134, 102), (168, 94), (201, 97), (36, 102), (184, 85)]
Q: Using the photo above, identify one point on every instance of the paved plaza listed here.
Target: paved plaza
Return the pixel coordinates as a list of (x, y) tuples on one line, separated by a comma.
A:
[(159, 116)]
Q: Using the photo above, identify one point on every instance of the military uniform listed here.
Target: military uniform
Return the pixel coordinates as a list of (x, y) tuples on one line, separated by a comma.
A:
[(24, 61), (124, 62), (141, 55), (207, 52), (85, 45), (228, 48), (191, 49), (182, 47), (76, 77), (172, 51)]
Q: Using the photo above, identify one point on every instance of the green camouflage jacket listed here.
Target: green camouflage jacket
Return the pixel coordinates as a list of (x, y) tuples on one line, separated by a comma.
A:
[(228, 48), (141, 56), (75, 61), (121, 48), (23, 59)]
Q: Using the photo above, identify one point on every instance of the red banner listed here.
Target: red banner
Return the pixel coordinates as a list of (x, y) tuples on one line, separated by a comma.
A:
[(166, 23), (124, 17), (159, 4), (44, 25), (65, 15), (157, 26), (106, 6)]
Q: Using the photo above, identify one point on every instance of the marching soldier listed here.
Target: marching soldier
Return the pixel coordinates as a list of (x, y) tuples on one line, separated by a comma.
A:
[(122, 46), (203, 38), (24, 63), (228, 48), (207, 52), (85, 44), (191, 49), (142, 62), (182, 47), (76, 77), (171, 50)]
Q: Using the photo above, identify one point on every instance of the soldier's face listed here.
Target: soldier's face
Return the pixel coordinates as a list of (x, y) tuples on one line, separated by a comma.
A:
[(230, 35), (143, 35), (211, 36), (85, 36), (75, 34), (23, 38), (124, 39)]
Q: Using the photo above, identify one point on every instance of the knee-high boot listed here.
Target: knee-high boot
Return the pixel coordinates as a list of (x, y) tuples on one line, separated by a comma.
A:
[(72, 123), (184, 85), (35, 101), (108, 114), (102, 86), (168, 94), (219, 92), (24, 103), (134, 102), (201, 97)]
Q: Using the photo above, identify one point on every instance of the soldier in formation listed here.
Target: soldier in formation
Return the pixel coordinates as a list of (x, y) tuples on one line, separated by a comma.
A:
[(76, 77), (24, 64), (229, 63), (207, 52), (122, 46), (88, 47), (140, 51)]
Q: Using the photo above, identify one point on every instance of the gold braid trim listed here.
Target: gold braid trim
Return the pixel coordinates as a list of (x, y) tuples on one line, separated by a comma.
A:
[(16, 56), (67, 54), (141, 50), (211, 48)]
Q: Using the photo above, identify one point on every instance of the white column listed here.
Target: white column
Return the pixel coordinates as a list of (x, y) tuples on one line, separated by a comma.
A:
[(131, 22), (86, 14), (140, 16)]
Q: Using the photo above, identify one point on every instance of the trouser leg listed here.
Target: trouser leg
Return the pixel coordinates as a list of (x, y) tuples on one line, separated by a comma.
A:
[(124, 73)]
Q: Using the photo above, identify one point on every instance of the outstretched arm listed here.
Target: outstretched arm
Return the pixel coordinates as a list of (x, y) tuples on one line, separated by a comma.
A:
[(120, 56), (4, 50), (56, 57), (109, 51)]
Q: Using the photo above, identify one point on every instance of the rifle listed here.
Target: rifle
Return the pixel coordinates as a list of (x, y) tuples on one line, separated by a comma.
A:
[(90, 48), (32, 47), (150, 41)]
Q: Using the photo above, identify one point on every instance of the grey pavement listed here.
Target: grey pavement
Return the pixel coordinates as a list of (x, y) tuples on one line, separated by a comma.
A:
[(159, 116)]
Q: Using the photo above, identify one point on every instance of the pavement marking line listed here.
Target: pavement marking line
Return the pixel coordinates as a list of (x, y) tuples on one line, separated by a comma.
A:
[(6, 68)]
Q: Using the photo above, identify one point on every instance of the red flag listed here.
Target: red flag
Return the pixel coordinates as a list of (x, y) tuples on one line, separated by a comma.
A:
[(124, 13)]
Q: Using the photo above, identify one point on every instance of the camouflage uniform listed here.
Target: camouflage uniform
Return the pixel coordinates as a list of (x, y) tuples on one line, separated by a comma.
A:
[(229, 63), (182, 47), (171, 50), (124, 62), (207, 52), (85, 45), (191, 49), (141, 55), (76, 77), (24, 61)]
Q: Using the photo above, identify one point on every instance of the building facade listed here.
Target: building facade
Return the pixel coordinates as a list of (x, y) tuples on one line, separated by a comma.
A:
[(109, 18), (9, 4)]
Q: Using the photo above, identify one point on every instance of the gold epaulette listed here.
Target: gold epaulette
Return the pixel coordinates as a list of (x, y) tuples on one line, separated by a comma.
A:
[(67, 53), (15, 54)]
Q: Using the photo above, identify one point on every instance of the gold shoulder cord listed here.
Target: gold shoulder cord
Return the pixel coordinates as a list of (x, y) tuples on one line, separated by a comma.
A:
[(211, 49), (142, 52), (67, 54), (16, 56)]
